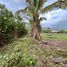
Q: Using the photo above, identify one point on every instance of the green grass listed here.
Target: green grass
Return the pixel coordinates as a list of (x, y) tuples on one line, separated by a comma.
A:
[(18, 54), (25, 52), (54, 36)]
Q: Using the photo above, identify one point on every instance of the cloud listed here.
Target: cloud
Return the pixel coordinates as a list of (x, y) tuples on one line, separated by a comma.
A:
[(53, 14), (55, 17)]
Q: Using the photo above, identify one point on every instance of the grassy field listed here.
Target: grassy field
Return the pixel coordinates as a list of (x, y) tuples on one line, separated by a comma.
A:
[(56, 36), (25, 52)]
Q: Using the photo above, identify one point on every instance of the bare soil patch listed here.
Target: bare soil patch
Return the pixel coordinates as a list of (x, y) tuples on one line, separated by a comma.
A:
[(56, 43)]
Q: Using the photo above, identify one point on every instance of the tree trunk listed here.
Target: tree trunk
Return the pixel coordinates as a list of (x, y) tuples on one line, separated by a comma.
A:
[(36, 31), (36, 28)]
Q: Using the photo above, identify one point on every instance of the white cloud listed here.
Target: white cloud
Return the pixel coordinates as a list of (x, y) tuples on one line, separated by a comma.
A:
[(55, 17), (53, 14)]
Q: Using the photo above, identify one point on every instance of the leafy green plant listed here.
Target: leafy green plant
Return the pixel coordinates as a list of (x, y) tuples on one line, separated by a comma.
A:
[(17, 59), (10, 25)]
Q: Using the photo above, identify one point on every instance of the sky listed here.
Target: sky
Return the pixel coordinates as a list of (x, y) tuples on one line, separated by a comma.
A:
[(54, 17)]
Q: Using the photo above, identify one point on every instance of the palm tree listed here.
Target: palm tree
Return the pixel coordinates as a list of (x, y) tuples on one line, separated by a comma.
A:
[(33, 10)]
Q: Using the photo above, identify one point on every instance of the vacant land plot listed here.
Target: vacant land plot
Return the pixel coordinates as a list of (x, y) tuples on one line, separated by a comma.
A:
[(24, 52)]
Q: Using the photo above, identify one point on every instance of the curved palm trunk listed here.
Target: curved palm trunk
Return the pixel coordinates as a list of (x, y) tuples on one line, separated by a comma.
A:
[(36, 30)]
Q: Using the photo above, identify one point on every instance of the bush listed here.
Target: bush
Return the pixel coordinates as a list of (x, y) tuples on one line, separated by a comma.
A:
[(47, 30), (20, 26), (5, 24), (62, 31), (23, 60), (17, 59), (10, 25)]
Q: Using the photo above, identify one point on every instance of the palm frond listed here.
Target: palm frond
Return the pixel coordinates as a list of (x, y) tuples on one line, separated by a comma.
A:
[(42, 18), (58, 4), (22, 10), (40, 4)]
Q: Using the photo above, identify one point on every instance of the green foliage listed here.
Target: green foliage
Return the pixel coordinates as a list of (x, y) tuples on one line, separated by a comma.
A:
[(47, 30), (18, 59), (18, 54), (20, 26), (5, 24), (62, 31), (10, 25)]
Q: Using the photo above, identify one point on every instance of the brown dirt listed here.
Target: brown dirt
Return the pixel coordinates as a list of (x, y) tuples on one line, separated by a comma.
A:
[(56, 43)]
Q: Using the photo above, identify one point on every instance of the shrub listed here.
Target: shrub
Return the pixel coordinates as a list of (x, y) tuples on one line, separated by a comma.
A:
[(5, 24), (20, 26), (10, 25), (47, 30), (62, 31), (17, 59)]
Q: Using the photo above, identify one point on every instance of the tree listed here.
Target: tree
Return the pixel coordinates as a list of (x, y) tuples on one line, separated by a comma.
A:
[(62, 31), (10, 25), (33, 9), (48, 30), (6, 17)]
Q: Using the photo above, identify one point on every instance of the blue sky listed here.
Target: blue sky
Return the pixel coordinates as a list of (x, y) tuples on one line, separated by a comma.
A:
[(13, 5), (53, 17)]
